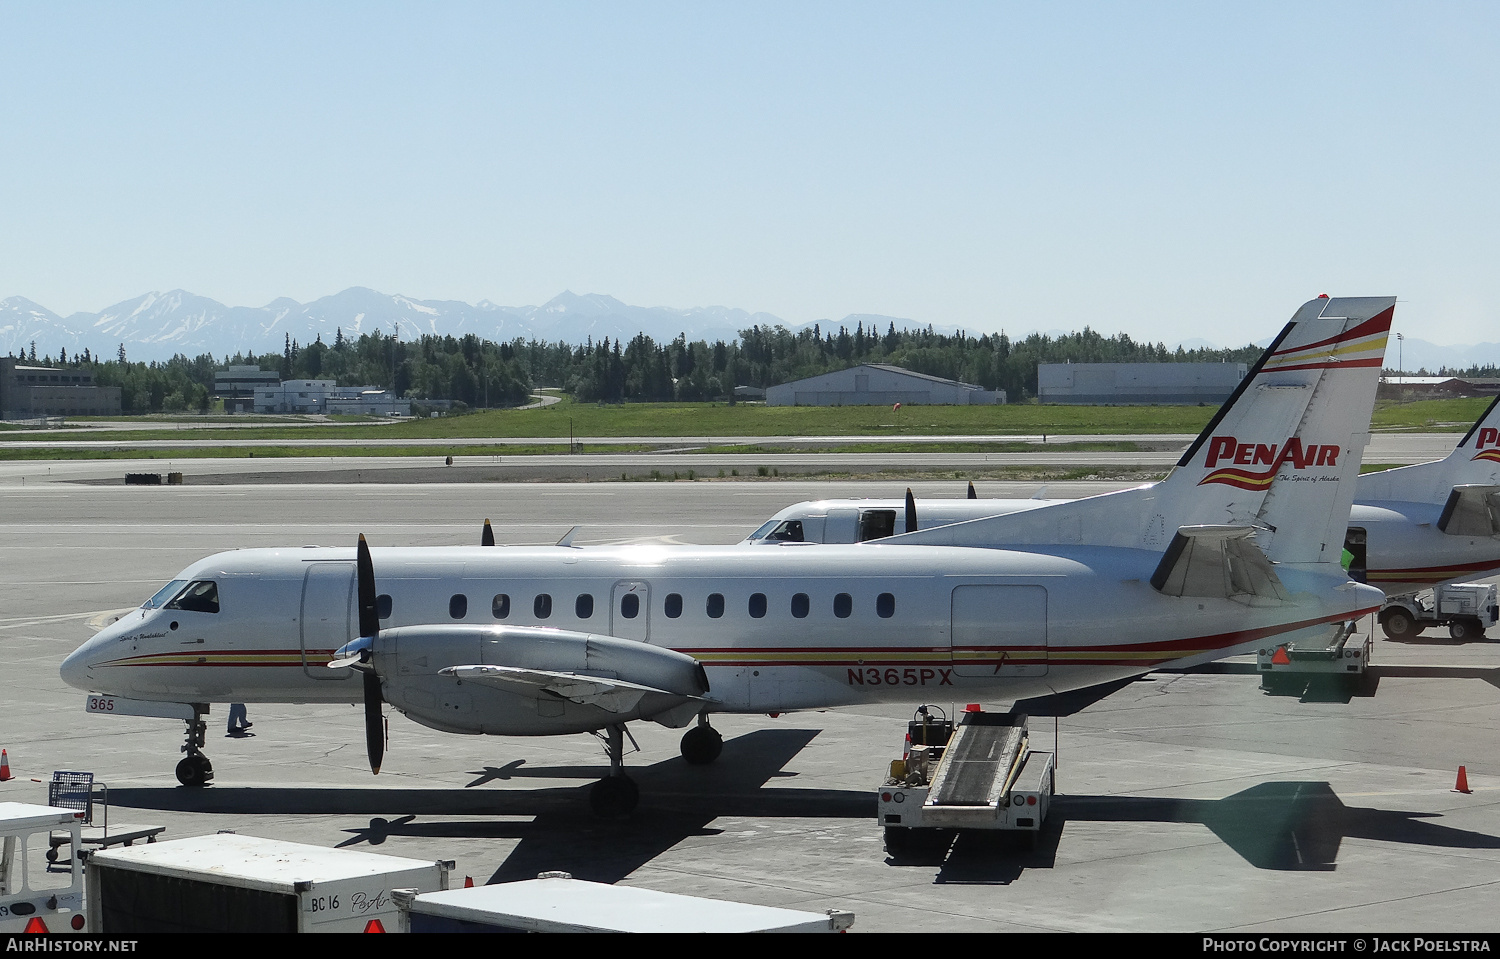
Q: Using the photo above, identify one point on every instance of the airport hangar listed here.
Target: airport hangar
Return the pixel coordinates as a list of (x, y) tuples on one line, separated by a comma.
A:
[(878, 384)]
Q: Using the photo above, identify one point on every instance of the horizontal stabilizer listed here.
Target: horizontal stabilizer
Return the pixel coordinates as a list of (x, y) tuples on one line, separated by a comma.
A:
[(1471, 511), (1221, 562)]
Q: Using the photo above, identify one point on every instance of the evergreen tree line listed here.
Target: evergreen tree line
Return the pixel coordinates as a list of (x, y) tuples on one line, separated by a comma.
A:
[(473, 372)]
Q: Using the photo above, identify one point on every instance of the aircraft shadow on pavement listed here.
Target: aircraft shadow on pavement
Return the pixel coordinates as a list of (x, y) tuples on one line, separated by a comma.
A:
[(1279, 825), (556, 827), (1294, 826)]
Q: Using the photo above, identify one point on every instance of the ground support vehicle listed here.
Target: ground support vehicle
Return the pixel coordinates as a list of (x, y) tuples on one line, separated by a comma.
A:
[(556, 902), (33, 896), (979, 773), (1467, 609), (1341, 659), (233, 883)]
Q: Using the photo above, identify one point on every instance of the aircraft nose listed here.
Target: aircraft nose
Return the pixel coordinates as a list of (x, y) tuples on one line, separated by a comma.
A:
[(75, 670)]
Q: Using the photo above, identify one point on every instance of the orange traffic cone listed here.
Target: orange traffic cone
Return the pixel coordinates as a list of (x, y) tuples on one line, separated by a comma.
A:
[(468, 882), (1462, 786), (5, 766)]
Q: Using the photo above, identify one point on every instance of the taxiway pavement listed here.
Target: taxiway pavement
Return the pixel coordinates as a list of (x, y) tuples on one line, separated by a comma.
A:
[(1187, 802)]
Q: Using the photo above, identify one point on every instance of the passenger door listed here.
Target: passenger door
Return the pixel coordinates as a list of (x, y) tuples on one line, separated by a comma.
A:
[(327, 616), (629, 611)]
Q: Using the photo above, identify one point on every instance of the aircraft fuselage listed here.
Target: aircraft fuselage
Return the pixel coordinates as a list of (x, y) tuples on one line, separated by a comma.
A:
[(775, 629)]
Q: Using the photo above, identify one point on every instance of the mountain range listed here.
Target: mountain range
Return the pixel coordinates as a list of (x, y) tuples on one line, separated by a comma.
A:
[(155, 326)]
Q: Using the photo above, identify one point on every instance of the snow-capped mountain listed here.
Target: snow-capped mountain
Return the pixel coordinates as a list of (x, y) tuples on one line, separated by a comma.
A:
[(155, 326)]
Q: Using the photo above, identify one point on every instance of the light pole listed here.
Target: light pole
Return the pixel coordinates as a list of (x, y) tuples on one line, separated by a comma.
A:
[(1400, 368)]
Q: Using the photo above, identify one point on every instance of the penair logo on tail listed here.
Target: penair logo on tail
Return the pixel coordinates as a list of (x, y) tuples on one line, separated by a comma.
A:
[(1489, 445), (1361, 346), (1292, 453)]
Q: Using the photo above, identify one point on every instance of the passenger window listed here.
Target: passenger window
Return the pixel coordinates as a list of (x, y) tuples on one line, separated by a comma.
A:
[(458, 606), (885, 605), (199, 597), (801, 605), (758, 605), (383, 606), (500, 606), (715, 605), (541, 607), (583, 606), (843, 605), (630, 605), (673, 605)]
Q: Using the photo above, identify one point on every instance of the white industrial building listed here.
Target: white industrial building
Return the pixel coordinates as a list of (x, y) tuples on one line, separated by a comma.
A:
[(876, 384), (1138, 384), (326, 396)]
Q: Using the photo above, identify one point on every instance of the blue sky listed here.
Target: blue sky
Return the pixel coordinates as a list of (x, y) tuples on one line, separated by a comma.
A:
[(1170, 170)]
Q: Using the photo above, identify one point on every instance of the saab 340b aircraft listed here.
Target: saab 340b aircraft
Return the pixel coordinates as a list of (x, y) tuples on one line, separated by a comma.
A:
[(522, 640), (1410, 528)]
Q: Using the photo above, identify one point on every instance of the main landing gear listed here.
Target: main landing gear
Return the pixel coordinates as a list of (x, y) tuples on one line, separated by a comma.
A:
[(195, 770), (616, 795), (702, 744)]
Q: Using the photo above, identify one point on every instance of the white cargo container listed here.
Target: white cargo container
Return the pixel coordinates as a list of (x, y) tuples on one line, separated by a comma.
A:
[(233, 883), (556, 902)]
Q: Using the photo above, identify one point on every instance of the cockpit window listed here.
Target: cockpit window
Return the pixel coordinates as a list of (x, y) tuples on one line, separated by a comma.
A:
[(165, 593), (788, 531), (199, 596)]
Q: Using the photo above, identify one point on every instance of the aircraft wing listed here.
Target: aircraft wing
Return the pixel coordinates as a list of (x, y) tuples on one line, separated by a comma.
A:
[(614, 695)]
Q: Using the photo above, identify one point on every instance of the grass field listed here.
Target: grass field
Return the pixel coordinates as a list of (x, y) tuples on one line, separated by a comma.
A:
[(705, 419)]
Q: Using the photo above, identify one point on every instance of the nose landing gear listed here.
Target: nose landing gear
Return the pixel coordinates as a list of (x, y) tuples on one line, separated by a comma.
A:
[(195, 771)]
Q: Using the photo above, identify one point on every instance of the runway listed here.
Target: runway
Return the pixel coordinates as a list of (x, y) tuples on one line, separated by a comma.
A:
[(1187, 803)]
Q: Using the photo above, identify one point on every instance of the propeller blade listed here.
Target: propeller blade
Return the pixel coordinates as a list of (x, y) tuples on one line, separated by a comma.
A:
[(369, 620), (487, 538), (374, 727), (364, 649), (972, 494), (911, 512)]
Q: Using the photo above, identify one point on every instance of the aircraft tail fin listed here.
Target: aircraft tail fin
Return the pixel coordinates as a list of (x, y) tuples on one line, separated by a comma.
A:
[(1475, 461), (1282, 454)]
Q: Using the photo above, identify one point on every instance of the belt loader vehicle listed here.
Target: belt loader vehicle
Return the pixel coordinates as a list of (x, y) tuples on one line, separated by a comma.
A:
[(977, 774)]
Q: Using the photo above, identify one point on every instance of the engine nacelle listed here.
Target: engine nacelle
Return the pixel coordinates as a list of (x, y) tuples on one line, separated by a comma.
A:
[(409, 660)]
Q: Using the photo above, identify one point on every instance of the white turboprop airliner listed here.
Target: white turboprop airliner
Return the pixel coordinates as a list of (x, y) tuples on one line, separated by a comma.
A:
[(542, 640), (1410, 528)]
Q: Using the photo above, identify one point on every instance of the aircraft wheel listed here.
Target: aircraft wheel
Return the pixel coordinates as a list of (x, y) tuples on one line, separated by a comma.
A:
[(189, 773), (701, 745), (195, 770), (1397, 623), (614, 796)]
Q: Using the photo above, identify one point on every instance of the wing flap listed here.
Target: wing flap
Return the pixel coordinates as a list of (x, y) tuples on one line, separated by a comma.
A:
[(614, 695)]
